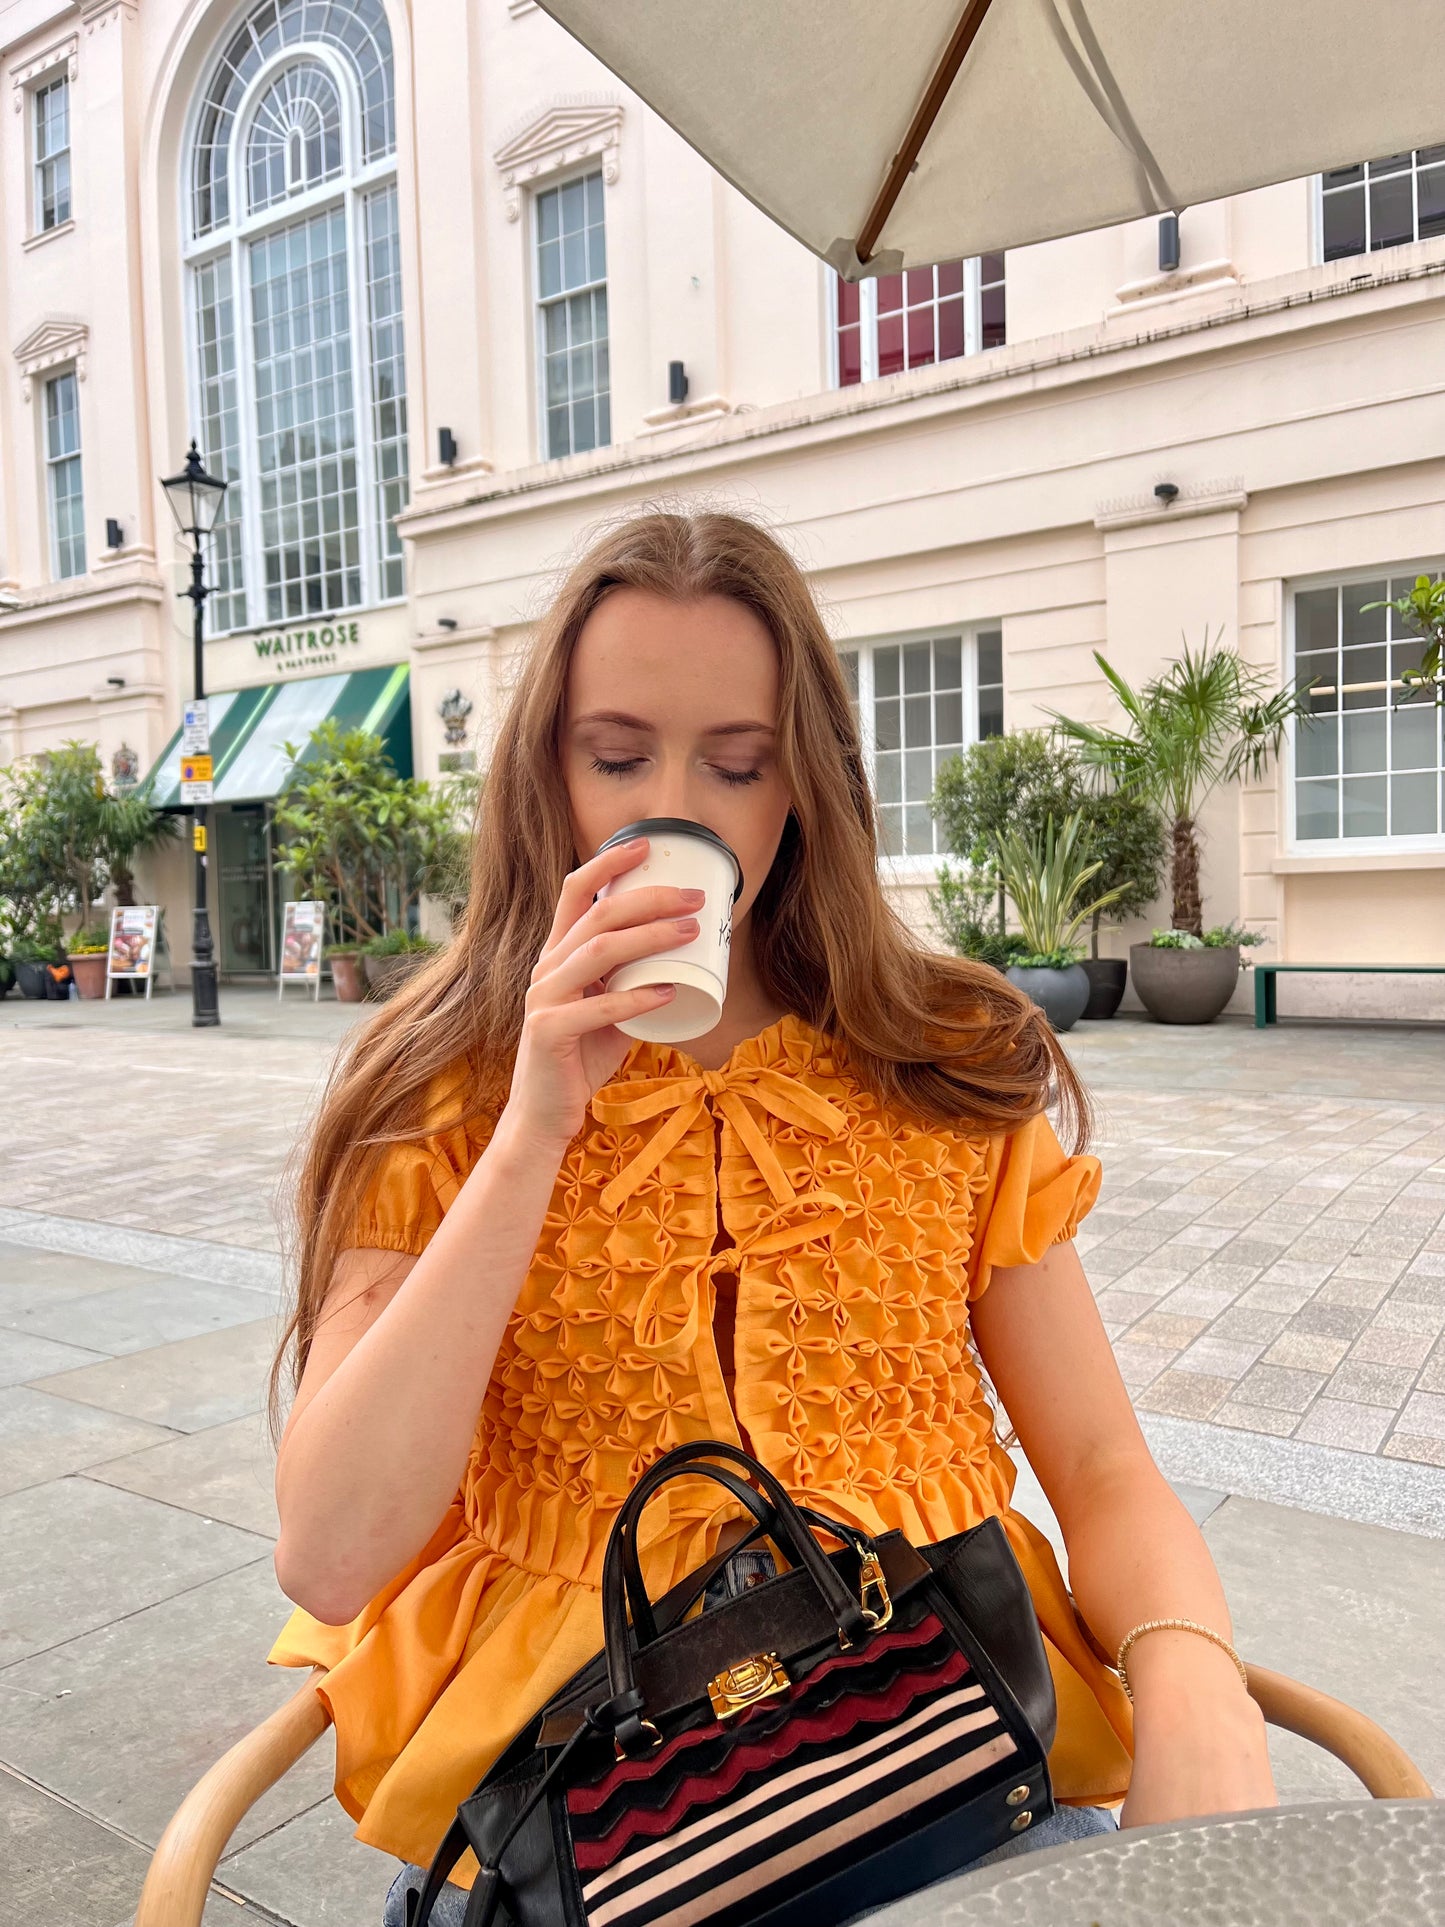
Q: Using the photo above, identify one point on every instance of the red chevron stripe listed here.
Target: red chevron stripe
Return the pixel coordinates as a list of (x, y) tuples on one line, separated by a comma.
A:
[(700, 1790), (927, 1629)]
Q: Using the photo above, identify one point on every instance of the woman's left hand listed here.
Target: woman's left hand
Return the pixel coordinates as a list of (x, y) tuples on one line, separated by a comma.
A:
[(1198, 1756)]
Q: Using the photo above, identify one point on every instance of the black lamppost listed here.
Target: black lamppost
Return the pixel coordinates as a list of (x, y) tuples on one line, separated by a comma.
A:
[(195, 499)]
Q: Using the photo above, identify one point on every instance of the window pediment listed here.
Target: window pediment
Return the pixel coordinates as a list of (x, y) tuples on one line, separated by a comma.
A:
[(561, 136), (53, 343)]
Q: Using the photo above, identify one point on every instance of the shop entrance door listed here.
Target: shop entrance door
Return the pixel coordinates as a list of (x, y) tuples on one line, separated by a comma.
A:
[(243, 861)]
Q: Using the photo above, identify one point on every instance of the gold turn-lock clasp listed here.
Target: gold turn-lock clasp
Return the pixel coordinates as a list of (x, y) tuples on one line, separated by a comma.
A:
[(738, 1687), (871, 1580)]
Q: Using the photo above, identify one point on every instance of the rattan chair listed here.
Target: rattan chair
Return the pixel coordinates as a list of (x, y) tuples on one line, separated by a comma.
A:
[(190, 1849)]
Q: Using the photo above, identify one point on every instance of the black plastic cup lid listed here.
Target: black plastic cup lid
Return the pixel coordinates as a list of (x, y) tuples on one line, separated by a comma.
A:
[(651, 826)]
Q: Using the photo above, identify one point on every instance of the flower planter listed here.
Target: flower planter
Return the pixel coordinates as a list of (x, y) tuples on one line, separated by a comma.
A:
[(1184, 986), (1060, 994), (1107, 977), (31, 978), (386, 974), (88, 970), (348, 976)]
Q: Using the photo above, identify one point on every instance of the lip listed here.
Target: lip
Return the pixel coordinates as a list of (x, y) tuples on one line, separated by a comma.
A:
[(650, 826)]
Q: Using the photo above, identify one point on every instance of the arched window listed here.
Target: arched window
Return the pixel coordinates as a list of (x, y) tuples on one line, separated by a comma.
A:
[(298, 369)]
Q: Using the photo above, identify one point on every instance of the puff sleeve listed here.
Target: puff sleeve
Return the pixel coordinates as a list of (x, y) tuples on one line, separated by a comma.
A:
[(1034, 1196), (415, 1184)]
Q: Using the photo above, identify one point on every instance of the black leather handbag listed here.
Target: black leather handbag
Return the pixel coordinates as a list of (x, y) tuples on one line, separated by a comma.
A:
[(862, 1724)]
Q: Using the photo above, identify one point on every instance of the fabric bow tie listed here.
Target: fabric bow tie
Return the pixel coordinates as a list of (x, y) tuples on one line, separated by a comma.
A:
[(686, 1099)]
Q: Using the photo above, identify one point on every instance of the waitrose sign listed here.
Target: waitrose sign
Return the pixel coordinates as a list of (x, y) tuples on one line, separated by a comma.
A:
[(309, 648)]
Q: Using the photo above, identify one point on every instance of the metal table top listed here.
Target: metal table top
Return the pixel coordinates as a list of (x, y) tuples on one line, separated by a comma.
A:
[(1323, 1864)]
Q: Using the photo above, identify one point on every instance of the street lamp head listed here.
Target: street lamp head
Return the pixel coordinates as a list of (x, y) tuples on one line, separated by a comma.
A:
[(195, 497)]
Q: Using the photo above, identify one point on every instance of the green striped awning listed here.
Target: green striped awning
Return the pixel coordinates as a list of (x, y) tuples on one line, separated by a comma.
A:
[(251, 727)]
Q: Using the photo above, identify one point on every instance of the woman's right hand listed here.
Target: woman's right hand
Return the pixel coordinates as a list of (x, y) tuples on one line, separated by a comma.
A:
[(570, 1044)]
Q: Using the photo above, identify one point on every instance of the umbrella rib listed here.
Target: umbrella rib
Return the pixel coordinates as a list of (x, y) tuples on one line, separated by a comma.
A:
[(927, 112)]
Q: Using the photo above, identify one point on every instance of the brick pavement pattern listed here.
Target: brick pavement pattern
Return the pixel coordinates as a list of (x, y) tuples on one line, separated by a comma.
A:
[(1268, 1251)]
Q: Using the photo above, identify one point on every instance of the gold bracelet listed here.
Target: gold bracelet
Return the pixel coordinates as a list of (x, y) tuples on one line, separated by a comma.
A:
[(1184, 1626)]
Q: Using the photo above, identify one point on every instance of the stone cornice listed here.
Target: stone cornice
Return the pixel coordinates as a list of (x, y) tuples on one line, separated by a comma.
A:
[(60, 53), (573, 129)]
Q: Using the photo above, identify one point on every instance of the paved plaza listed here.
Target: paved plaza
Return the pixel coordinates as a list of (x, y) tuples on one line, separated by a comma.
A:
[(1268, 1252)]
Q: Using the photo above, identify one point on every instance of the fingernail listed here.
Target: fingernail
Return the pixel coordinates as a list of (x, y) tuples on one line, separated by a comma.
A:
[(694, 896), (688, 925), (637, 843)]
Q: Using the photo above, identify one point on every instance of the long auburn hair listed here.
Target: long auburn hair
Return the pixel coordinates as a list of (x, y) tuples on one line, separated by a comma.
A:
[(941, 1038)]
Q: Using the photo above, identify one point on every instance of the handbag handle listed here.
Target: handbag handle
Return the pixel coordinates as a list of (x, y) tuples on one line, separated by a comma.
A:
[(787, 1527), (644, 1619)]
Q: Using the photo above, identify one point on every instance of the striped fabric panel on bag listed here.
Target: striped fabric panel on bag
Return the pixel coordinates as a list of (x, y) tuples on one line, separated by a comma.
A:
[(730, 1819)]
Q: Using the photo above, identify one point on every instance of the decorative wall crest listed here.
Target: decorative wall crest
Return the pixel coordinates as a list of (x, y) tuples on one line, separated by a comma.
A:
[(54, 342), (566, 133), (125, 767), (454, 709)]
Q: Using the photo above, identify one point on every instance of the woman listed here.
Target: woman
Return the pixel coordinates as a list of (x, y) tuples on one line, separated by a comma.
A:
[(536, 1253)]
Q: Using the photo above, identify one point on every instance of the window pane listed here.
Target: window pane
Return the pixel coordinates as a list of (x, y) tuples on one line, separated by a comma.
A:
[(1317, 619), (886, 722), (948, 718), (889, 777), (920, 337), (950, 330), (1363, 810), (1431, 191), (1364, 742), (890, 293), (1361, 623), (1319, 672), (948, 663), (917, 665), (990, 712), (1413, 805), (992, 331), (847, 302), (890, 827), (885, 670), (1316, 748), (1415, 737), (848, 663), (918, 830), (1392, 210), (917, 721), (920, 285), (990, 656), (890, 344), (850, 357), (1317, 811), (950, 277), (1344, 225)]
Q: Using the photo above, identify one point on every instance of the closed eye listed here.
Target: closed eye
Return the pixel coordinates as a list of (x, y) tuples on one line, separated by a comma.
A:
[(604, 768)]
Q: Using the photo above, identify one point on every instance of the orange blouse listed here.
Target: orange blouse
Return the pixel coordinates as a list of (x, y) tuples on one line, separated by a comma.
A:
[(860, 1238)]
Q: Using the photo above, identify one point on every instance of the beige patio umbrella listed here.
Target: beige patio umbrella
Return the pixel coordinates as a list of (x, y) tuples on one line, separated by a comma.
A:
[(892, 133)]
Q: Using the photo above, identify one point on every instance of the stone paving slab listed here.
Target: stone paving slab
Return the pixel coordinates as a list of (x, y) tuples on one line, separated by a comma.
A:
[(226, 1473), (189, 1385)]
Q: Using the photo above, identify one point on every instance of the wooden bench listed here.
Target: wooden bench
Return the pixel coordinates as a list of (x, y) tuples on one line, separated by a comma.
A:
[(1265, 974)]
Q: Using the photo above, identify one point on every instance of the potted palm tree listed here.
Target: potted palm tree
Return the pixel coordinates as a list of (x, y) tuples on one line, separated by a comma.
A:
[(1047, 878), (1208, 720)]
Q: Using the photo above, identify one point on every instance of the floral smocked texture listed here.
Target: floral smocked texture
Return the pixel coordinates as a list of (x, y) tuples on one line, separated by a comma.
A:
[(859, 1237)]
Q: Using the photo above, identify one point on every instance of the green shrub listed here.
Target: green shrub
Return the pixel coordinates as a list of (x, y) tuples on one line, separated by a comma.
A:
[(397, 943)]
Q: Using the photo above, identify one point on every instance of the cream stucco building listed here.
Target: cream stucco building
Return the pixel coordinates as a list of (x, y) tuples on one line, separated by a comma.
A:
[(416, 277)]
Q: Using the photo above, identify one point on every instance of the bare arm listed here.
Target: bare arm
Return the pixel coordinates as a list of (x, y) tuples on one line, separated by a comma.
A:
[(387, 1408), (1134, 1552)]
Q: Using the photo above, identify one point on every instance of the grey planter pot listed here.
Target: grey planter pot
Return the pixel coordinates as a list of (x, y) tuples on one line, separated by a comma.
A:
[(1184, 986), (1060, 994), (1107, 977), (386, 974)]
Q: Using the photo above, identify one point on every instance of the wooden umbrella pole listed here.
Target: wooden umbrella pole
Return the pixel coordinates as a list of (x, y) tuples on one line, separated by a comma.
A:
[(927, 113)]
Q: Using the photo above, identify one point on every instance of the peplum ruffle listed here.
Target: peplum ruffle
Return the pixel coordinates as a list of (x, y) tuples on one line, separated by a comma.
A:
[(860, 1238)]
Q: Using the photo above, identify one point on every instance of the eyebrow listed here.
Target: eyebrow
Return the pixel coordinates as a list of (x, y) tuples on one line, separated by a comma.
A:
[(624, 721)]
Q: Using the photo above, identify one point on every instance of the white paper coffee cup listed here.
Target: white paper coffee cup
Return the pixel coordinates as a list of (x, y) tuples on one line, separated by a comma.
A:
[(685, 856)]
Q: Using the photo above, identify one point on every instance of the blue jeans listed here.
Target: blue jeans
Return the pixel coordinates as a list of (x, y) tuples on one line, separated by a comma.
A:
[(749, 1568)]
